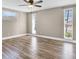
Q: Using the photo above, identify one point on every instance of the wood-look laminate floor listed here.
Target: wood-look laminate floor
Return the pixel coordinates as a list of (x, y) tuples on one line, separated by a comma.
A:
[(28, 47)]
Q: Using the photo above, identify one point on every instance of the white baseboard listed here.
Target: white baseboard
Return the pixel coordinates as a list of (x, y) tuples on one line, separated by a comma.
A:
[(54, 38), (10, 37), (43, 36)]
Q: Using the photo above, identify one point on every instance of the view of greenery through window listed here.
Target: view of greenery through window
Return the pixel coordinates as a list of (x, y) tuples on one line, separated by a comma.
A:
[(68, 23)]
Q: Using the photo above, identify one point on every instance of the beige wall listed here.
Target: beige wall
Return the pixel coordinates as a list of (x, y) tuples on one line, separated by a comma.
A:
[(51, 22), (16, 25), (74, 23), (48, 22), (29, 23)]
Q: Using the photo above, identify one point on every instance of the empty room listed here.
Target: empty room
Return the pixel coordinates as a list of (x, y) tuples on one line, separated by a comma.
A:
[(38, 29)]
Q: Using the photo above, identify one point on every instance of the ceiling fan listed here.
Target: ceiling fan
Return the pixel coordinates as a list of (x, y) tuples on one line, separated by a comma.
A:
[(32, 3)]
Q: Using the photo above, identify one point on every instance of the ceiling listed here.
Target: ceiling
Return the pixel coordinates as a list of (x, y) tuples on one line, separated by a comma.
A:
[(13, 4)]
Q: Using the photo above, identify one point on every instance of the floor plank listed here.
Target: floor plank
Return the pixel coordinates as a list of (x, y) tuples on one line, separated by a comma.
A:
[(28, 47)]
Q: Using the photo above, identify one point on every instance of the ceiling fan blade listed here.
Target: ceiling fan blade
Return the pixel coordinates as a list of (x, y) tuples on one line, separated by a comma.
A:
[(26, 1), (38, 5), (38, 2), (22, 5)]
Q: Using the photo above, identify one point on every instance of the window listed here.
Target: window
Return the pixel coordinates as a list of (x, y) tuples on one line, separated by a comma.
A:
[(33, 23), (68, 23), (8, 13)]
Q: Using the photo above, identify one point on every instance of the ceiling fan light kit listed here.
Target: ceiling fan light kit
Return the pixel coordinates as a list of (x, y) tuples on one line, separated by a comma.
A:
[(31, 6)]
